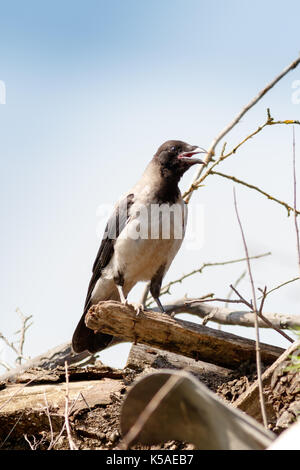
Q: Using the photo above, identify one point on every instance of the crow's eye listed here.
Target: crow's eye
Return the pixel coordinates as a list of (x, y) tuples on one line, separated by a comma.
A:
[(173, 149)]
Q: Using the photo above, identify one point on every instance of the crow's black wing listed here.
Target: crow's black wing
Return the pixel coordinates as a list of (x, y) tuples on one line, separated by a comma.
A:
[(114, 227), (84, 338)]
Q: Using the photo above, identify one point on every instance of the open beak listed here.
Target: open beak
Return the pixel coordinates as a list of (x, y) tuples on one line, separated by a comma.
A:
[(188, 157)]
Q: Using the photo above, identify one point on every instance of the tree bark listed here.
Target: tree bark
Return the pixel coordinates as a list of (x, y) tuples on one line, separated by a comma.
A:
[(182, 337)]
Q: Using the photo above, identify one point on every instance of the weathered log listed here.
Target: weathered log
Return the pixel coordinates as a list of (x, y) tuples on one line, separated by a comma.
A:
[(38, 396), (225, 316), (186, 338), (49, 360), (144, 358), (29, 409)]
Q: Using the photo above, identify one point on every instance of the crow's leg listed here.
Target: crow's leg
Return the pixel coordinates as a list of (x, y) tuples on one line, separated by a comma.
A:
[(119, 281), (155, 287), (121, 294), (159, 304)]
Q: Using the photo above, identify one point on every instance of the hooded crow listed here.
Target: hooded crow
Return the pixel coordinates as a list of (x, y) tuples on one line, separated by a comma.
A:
[(141, 238)]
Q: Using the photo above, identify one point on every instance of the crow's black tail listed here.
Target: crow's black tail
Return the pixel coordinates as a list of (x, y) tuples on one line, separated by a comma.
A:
[(84, 339)]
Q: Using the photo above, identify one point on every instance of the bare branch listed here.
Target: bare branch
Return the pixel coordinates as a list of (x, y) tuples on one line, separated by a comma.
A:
[(295, 198), (237, 119), (228, 316), (243, 301), (281, 285), (269, 122), (17, 350), (22, 331), (9, 344), (251, 186)]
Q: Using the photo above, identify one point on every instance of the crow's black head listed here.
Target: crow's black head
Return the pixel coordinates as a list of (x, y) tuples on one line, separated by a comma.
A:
[(176, 157)]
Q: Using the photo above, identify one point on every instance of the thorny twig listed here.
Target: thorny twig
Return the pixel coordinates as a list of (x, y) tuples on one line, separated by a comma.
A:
[(269, 122), (236, 120), (251, 186), (166, 289)]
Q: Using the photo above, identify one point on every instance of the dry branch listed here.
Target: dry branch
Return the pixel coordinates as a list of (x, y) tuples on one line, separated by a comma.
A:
[(269, 122), (220, 315), (228, 316), (295, 199), (163, 332), (256, 188), (235, 121), (52, 358)]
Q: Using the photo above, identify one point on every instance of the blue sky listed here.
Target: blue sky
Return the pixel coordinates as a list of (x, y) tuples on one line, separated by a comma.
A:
[(92, 89)]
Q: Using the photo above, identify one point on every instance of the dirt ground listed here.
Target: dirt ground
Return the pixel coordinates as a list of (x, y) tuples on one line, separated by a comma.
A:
[(94, 423)]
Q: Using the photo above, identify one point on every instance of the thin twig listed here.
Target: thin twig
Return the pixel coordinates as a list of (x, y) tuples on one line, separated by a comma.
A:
[(16, 392), (239, 279), (17, 350), (269, 122), (49, 419), (12, 429), (295, 198), (32, 446), (9, 344), (166, 288), (237, 119), (258, 358), (35, 444), (264, 193), (281, 285), (67, 423), (241, 300), (22, 332), (5, 365)]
